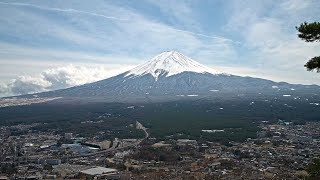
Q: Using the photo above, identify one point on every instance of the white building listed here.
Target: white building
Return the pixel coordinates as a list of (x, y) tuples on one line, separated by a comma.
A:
[(100, 173)]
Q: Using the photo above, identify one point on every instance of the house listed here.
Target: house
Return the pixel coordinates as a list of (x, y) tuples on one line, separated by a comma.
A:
[(3, 178), (100, 173)]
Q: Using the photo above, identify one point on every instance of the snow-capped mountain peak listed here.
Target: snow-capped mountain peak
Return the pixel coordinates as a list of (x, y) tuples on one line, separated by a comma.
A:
[(170, 63)]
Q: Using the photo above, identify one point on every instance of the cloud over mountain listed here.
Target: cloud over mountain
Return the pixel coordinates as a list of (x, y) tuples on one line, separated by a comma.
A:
[(56, 78), (252, 39)]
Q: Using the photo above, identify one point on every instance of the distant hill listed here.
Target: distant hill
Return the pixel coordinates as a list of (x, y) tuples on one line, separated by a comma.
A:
[(173, 76)]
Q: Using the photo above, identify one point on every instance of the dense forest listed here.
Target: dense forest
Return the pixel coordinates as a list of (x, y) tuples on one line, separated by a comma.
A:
[(239, 118)]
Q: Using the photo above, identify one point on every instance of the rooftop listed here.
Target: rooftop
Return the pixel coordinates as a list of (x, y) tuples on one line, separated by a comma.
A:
[(98, 171)]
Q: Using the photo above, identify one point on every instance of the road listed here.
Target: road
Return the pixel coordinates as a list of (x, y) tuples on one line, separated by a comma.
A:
[(140, 126), (107, 151)]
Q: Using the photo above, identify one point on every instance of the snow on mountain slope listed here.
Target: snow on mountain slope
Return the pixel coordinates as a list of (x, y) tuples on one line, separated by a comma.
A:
[(169, 63), (171, 76)]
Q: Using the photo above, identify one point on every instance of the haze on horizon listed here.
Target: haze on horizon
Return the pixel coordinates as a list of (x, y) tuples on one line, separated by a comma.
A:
[(47, 45)]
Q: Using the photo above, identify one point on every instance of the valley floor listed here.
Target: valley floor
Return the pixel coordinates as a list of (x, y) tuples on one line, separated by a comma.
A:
[(282, 150)]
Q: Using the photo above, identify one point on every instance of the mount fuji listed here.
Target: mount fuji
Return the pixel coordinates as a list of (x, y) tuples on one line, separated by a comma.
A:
[(169, 63), (171, 76)]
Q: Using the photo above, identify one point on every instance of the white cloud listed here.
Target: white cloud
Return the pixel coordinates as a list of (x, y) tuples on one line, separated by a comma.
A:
[(178, 12), (69, 10), (104, 34), (57, 78), (295, 5), (271, 74), (67, 76), (5, 90), (28, 84), (269, 37)]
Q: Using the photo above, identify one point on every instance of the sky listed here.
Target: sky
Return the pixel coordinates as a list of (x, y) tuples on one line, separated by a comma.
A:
[(47, 45)]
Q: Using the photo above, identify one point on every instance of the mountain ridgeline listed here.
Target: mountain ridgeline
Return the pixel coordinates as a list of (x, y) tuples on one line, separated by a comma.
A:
[(172, 95), (173, 76)]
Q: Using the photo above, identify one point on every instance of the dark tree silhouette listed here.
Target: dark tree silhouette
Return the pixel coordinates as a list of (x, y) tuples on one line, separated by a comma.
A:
[(314, 169), (310, 32)]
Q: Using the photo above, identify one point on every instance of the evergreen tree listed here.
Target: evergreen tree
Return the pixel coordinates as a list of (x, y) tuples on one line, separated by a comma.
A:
[(314, 168), (310, 32)]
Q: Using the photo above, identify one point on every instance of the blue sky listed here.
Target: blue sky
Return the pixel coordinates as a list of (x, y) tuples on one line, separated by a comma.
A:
[(47, 45)]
